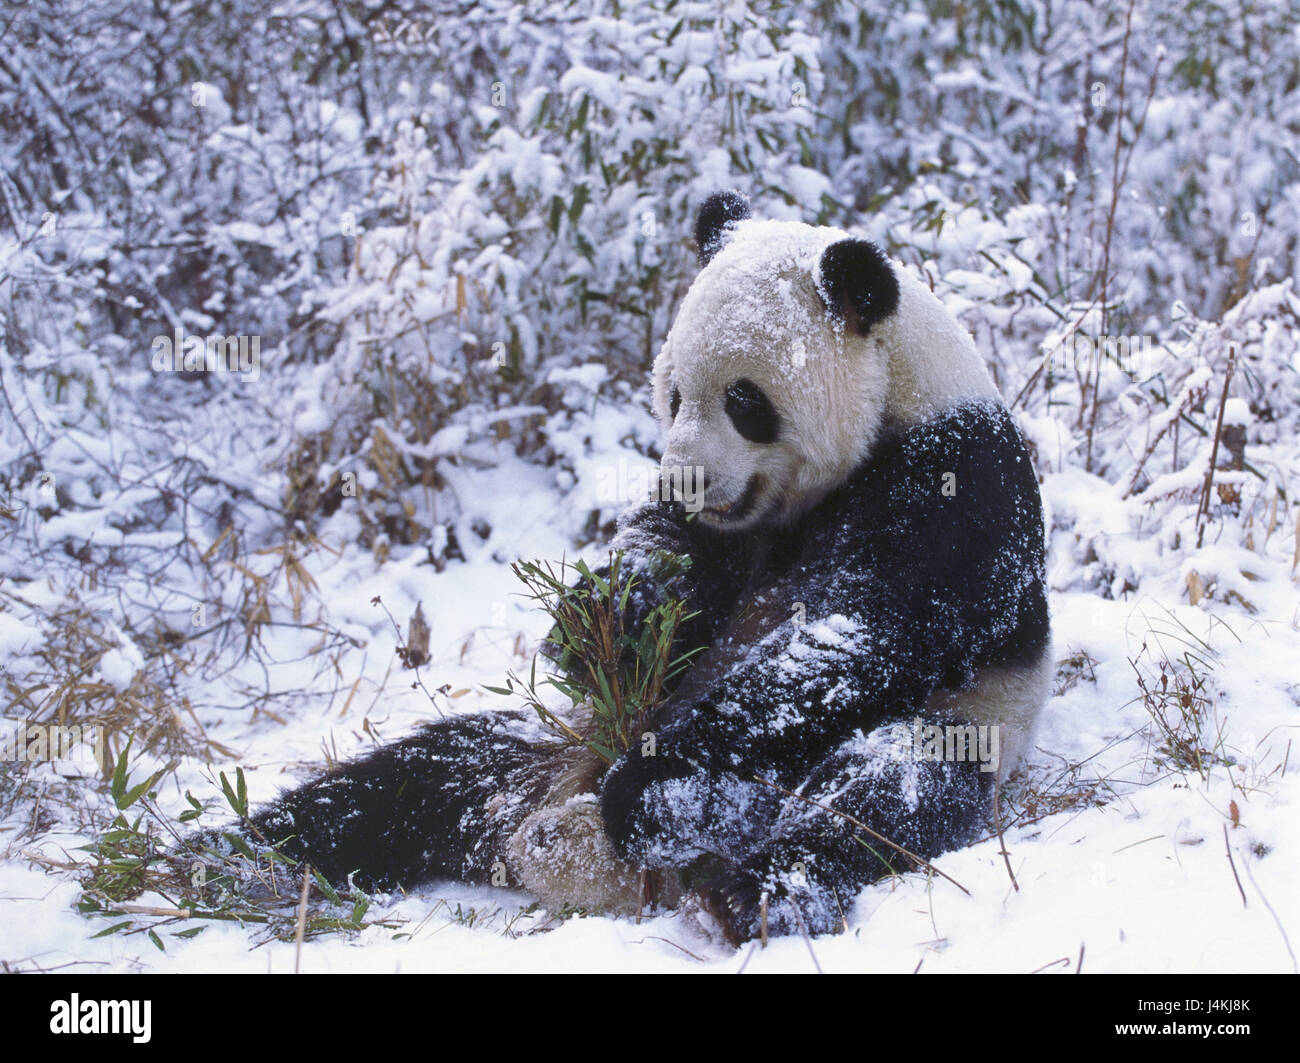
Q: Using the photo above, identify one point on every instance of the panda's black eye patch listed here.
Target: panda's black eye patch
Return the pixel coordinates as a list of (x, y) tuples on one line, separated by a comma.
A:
[(752, 412), (674, 403)]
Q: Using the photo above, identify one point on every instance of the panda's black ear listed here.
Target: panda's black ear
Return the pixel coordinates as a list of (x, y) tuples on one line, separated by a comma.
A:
[(715, 219), (857, 283)]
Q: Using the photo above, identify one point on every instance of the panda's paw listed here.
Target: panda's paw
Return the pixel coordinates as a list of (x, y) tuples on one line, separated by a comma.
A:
[(633, 811), (734, 900), (562, 855), (747, 905)]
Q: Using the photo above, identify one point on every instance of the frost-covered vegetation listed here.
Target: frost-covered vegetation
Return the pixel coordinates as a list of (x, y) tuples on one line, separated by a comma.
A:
[(452, 236)]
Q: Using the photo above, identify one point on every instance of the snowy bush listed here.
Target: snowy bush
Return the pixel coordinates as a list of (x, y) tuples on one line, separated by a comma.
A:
[(460, 232), (563, 240)]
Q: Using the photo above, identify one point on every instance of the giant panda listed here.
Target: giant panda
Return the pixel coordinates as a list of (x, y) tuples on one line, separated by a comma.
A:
[(866, 557)]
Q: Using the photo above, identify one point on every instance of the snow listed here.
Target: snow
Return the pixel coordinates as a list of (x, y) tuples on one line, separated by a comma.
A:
[(142, 515), (119, 666)]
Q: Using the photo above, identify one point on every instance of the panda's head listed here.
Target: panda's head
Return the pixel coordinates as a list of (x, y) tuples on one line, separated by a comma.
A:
[(792, 349)]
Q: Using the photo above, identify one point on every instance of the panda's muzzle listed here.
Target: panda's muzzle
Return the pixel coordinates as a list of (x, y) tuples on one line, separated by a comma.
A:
[(741, 508)]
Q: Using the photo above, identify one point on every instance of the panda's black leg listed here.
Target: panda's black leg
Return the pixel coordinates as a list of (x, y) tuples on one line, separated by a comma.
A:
[(438, 803), (818, 860)]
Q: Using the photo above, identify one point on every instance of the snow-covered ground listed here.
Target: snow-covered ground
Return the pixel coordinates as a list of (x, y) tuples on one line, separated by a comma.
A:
[(459, 256), (1137, 873)]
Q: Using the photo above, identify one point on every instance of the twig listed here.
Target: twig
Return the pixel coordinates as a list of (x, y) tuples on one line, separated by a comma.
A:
[(301, 928), (1046, 359), (146, 909), (863, 827), (1228, 849), (1131, 845), (1204, 508), (666, 941), (401, 642), (13, 968), (196, 913), (1110, 226), (1280, 928), (844, 919), (1188, 397), (798, 918), (997, 822)]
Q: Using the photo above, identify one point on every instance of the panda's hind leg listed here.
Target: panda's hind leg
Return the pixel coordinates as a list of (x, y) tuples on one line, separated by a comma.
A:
[(440, 803)]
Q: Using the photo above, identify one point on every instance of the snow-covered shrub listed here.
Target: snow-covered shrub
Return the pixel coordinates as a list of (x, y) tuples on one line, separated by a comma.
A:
[(561, 239), (460, 232)]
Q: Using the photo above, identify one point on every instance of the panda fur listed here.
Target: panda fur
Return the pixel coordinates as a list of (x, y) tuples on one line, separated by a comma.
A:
[(869, 553)]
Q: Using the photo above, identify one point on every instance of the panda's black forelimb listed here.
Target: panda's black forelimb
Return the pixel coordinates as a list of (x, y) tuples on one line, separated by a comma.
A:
[(916, 593)]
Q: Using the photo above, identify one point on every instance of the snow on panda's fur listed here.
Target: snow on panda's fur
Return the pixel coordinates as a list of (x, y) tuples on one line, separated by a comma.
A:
[(869, 553)]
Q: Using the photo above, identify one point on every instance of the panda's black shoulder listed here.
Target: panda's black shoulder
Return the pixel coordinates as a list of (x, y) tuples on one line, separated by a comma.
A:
[(952, 505), (943, 486)]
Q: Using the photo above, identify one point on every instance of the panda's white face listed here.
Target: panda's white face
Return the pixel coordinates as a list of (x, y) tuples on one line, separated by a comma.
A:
[(776, 398), (759, 387), (726, 428)]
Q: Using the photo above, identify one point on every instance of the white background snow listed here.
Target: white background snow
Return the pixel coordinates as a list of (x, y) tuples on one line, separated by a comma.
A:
[(461, 249)]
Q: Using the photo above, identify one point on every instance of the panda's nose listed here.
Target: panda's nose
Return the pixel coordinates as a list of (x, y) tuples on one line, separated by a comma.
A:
[(683, 478)]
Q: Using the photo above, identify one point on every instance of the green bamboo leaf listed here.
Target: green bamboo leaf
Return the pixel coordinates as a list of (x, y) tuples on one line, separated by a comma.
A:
[(580, 121), (325, 887), (239, 845), (605, 690), (134, 794), (117, 788), (232, 799), (581, 197), (605, 752)]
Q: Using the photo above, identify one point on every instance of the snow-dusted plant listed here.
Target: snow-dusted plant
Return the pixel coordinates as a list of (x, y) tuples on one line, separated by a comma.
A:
[(563, 239)]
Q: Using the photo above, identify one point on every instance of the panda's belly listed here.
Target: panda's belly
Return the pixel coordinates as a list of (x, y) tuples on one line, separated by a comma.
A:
[(1007, 697)]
